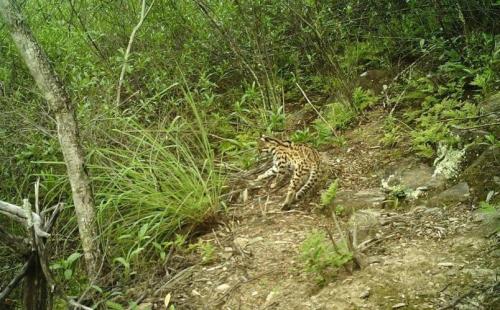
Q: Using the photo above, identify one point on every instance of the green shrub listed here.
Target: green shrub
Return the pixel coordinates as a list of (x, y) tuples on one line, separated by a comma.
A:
[(330, 194), (434, 123), (392, 132), (339, 115), (322, 258), (363, 99)]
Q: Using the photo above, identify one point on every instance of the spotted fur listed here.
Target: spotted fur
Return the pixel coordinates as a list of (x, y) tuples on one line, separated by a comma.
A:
[(303, 161)]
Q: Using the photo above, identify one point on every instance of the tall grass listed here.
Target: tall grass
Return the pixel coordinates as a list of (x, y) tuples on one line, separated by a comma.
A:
[(155, 180)]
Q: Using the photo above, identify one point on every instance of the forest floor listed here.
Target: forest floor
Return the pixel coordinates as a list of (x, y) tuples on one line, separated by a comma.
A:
[(425, 256)]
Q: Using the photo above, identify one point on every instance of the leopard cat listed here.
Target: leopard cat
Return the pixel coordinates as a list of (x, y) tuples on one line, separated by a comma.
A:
[(301, 160)]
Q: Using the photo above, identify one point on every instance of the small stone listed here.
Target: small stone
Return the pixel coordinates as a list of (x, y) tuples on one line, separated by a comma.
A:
[(226, 255), (433, 211), (453, 195), (446, 264), (222, 288), (195, 293), (479, 217), (145, 306), (365, 294), (241, 242), (270, 297), (228, 249), (400, 305)]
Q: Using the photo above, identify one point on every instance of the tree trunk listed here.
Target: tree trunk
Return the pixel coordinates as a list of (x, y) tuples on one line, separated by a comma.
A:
[(35, 292), (67, 129)]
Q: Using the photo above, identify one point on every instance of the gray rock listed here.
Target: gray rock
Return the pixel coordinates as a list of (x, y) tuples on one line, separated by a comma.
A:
[(364, 225), (223, 287), (412, 174), (491, 107), (400, 305), (145, 306), (368, 198), (365, 294), (455, 194), (433, 211), (483, 172)]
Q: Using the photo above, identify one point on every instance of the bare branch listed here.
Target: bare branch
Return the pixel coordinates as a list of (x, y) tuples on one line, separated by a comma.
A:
[(144, 13), (53, 217), (38, 246), (316, 110), (77, 305)]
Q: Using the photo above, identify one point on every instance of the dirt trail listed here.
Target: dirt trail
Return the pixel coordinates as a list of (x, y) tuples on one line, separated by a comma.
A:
[(427, 257)]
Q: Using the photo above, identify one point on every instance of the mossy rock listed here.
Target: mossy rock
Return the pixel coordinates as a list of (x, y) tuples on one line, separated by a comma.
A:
[(491, 107), (483, 175)]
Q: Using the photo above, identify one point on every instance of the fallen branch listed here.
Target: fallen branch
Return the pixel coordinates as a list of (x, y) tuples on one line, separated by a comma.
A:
[(470, 117), (36, 230), (17, 213), (37, 243), (179, 276), (53, 217), (76, 304), (363, 246)]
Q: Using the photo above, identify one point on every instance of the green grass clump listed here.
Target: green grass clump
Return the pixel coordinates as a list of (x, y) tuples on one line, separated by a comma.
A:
[(155, 180), (322, 258)]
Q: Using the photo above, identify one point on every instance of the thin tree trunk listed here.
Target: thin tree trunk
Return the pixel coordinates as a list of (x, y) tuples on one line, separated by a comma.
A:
[(67, 129)]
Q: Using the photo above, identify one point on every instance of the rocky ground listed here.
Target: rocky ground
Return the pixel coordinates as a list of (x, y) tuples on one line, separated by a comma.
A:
[(432, 250)]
